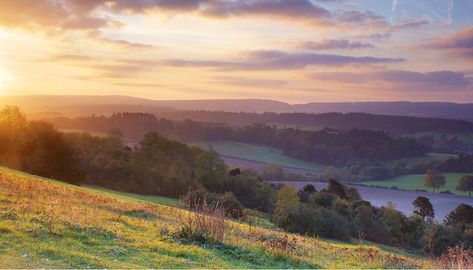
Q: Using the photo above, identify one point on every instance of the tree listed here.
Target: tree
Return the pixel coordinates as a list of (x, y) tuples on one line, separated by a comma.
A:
[(434, 179), (336, 188), (424, 208), (287, 208), (305, 192), (210, 170), (462, 215), (466, 184)]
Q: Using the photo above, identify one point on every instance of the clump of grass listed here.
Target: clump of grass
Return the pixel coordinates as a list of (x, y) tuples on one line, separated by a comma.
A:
[(205, 225), (281, 244), (457, 257)]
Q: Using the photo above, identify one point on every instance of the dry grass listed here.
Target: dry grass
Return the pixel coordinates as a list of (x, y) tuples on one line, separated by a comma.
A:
[(457, 258), (54, 225)]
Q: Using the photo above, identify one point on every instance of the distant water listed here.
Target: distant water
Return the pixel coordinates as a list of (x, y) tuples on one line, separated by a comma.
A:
[(443, 203)]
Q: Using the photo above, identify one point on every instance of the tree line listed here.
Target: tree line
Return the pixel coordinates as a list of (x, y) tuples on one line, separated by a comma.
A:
[(327, 146)]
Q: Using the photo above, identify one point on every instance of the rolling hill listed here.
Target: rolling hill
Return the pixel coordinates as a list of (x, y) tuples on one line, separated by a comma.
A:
[(80, 105), (49, 224)]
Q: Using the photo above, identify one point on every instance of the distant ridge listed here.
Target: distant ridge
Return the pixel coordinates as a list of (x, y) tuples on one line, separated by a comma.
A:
[(77, 105)]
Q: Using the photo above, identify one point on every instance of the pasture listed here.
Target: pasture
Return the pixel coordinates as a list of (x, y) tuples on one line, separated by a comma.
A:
[(259, 153), (416, 182)]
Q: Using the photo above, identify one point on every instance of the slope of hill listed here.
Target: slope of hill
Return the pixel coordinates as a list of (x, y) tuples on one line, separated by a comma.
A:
[(45, 223)]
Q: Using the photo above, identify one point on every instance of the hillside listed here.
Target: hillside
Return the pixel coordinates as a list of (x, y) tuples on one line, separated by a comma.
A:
[(45, 223)]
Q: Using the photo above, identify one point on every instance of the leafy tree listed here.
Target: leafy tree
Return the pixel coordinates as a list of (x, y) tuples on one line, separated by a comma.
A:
[(309, 189), (462, 215), (305, 192), (434, 179), (466, 184), (210, 170), (336, 188), (322, 199), (424, 208), (287, 208)]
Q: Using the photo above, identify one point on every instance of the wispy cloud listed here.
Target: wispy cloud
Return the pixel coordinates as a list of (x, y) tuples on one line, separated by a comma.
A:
[(393, 9), (275, 60), (334, 44), (450, 11)]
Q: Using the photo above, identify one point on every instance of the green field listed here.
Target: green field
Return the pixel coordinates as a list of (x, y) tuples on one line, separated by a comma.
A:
[(416, 181), (259, 153), (429, 157), (49, 224)]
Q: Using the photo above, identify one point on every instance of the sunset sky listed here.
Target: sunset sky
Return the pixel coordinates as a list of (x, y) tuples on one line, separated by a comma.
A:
[(289, 50)]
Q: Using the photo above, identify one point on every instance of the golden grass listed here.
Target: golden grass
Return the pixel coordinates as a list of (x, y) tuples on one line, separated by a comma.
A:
[(49, 224)]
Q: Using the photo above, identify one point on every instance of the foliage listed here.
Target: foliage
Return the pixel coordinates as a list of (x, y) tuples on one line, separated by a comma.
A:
[(434, 179), (461, 216), (466, 184), (457, 257), (287, 208), (424, 208), (327, 146)]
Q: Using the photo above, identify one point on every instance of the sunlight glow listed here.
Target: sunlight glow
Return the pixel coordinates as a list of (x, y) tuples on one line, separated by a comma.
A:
[(5, 79)]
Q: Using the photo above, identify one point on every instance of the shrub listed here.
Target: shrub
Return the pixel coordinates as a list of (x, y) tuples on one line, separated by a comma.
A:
[(206, 225), (330, 225), (233, 207), (196, 198), (322, 199), (457, 257)]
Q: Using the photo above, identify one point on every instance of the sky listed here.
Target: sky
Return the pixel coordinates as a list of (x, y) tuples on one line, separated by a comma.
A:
[(295, 51)]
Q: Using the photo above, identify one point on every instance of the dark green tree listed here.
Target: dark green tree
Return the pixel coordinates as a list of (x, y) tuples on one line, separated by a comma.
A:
[(466, 184), (462, 215), (336, 188), (424, 208)]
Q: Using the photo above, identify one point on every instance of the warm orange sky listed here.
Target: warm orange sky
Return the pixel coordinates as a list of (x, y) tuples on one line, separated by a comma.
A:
[(289, 50)]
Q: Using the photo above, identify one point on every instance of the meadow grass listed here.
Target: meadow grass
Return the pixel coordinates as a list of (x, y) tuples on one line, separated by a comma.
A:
[(48, 224), (259, 153), (428, 158), (416, 181)]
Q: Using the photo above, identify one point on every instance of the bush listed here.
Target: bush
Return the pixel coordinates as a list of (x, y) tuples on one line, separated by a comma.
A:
[(206, 225), (233, 207), (323, 223), (321, 199), (457, 257), (196, 198)]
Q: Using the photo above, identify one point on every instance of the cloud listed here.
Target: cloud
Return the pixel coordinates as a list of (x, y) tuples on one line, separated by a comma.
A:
[(274, 60), (102, 67), (393, 9), (450, 11), (413, 23), (436, 80), (249, 82), (334, 44), (459, 43), (301, 10), (91, 14)]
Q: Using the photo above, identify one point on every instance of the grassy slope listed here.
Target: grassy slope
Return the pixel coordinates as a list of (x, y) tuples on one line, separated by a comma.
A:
[(44, 223), (259, 153), (416, 181)]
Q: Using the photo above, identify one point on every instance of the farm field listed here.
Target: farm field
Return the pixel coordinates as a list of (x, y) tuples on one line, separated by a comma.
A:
[(416, 181), (259, 153), (47, 224), (429, 157)]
